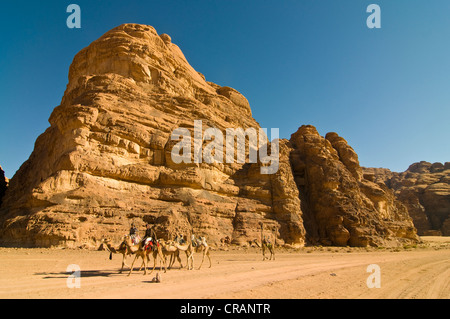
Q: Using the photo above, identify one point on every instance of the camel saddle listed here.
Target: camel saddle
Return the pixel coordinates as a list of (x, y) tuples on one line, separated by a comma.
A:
[(150, 244)]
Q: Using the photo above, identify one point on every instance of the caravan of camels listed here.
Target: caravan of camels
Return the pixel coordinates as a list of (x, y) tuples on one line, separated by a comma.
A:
[(150, 245)]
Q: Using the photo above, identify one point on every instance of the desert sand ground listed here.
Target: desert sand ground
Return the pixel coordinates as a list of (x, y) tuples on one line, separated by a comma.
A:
[(422, 271)]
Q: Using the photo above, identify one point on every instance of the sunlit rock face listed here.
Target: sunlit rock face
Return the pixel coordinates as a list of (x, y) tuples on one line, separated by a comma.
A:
[(106, 159), (341, 206), (424, 188)]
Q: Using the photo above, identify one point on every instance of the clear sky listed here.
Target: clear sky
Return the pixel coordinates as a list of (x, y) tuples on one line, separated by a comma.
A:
[(386, 91)]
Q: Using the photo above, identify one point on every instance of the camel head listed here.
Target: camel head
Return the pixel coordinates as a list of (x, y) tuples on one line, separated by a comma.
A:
[(106, 244)]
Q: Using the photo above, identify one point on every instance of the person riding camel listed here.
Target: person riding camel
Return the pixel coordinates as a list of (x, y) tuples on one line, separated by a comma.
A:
[(134, 234), (149, 237), (180, 239), (195, 241)]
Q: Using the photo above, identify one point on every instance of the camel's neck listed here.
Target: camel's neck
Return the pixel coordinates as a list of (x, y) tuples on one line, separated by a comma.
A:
[(110, 248)]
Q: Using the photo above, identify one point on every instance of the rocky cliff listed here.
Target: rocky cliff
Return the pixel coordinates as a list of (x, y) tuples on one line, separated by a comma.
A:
[(107, 161), (3, 184), (424, 188), (341, 206)]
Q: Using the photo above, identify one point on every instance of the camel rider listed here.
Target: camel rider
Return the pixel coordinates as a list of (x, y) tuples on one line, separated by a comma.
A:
[(133, 230), (149, 236), (195, 241), (180, 239), (134, 234)]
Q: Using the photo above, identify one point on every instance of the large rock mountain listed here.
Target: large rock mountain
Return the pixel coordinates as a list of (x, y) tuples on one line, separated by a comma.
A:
[(106, 162)]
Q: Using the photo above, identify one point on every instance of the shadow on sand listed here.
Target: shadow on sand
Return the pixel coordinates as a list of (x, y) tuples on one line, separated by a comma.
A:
[(83, 273), (95, 273)]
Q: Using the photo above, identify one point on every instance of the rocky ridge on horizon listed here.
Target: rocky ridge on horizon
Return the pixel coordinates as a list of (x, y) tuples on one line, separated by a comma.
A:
[(424, 188), (105, 162)]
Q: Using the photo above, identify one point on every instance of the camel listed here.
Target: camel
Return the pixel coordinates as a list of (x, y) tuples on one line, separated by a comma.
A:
[(122, 249), (158, 252), (265, 244), (140, 251), (169, 249), (200, 245), (188, 249)]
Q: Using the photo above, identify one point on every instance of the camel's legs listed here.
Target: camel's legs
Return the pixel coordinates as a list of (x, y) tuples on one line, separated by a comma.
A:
[(205, 252), (145, 259), (143, 265), (132, 264), (162, 259), (190, 256), (155, 257), (171, 261), (203, 258), (209, 257), (157, 253), (178, 258), (123, 263), (174, 256), (143, 262)]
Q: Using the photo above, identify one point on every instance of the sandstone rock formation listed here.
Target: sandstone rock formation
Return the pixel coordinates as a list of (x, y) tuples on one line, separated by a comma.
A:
[(106, 161), (3, 184), (424, 188), (342, 207)]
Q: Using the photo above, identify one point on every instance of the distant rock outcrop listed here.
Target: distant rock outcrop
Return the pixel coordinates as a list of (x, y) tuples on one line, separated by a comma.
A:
[(424, 188), (341, 206), (106, 161)]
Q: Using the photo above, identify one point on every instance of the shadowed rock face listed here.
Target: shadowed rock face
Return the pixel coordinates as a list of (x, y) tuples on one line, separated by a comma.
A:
[(424, 188), (105, 162), (342, 207), (3, 184)]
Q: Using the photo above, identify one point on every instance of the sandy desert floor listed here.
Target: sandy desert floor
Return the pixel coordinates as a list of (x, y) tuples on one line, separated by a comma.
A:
[(422, 271)]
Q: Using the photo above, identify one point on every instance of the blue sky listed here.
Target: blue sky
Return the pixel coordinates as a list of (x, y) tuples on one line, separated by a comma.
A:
[(387, 91)]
